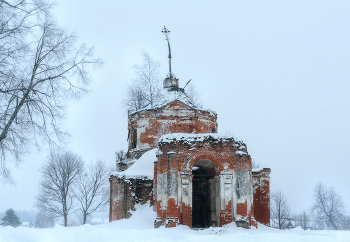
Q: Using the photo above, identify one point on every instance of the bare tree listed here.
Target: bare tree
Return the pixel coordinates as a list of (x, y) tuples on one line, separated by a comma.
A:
[(41, 70), (193, 93), (328, 207), (145, 90), (280, 210), (91, 188), (44, 220), (302, 220), (120, 155), (59, 174), (255, 165), (135, 98), (346, 222)]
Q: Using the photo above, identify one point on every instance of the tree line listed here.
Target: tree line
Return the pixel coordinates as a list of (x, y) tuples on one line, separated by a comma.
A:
[(327, 211), (67, 185)]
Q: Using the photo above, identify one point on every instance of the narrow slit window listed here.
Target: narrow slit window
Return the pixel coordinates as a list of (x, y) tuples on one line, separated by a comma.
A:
[(134, 140)]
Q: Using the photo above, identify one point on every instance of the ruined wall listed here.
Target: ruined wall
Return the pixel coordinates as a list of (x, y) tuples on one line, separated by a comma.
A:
[(231, 184), (261, 188), (235, 193), (125, 193), (175, 117)]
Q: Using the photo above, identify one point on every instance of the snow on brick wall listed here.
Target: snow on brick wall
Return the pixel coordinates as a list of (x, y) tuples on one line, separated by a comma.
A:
[(126, 193), (179, 159), (229, 172)]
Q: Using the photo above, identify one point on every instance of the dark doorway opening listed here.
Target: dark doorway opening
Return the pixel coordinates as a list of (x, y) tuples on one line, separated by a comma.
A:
[(203, 195)]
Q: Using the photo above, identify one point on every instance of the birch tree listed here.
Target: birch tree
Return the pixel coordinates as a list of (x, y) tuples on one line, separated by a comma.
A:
[(145, 89), (91, 189), (41, 70), (328, 207)]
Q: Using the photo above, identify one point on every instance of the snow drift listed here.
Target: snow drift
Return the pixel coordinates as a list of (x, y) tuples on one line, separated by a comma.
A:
[(140, 228)]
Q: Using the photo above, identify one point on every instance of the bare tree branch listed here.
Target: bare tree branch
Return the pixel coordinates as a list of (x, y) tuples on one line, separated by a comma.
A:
[(41, 70), (145, 90), (280, 210), (60, 173), (193, 93), (91, 188), (328, 207)]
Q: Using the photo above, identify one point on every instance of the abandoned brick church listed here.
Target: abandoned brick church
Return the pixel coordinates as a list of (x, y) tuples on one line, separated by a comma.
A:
[(189, 173), (192, 175)]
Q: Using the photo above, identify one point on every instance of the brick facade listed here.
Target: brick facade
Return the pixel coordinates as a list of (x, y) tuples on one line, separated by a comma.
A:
[(200, 179), (125, 193), (147, 126), (261, 186), (225, 164)]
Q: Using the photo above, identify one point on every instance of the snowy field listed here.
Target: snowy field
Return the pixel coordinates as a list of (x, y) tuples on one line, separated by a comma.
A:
[(140, 228)]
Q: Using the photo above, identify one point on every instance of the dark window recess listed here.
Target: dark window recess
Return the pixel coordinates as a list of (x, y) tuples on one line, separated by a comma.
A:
[(134, 136), (213, 130)]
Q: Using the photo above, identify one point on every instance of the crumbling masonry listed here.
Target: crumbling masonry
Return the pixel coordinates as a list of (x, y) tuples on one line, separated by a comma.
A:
[(200, 178)]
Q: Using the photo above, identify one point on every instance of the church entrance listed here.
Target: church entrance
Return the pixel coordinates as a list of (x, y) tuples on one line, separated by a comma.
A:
[(205, 194)]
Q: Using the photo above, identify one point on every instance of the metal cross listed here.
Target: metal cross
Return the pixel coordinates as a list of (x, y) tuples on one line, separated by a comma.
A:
[(166, 32)]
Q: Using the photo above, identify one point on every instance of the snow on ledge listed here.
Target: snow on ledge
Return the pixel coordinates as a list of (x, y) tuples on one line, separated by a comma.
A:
[(240, 153), (142, 168), (168, 138)]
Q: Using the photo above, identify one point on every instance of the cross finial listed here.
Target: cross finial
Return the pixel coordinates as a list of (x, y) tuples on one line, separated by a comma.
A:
[(166, 32)]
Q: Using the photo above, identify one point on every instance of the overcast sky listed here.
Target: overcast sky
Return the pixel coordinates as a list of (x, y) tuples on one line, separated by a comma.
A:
[(276, 72)]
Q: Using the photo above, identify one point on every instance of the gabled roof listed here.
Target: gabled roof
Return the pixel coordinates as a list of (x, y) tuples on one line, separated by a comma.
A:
[(170, 95)]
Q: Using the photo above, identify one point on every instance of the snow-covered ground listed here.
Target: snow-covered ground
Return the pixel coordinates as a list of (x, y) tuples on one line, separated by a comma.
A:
[(140, 228)]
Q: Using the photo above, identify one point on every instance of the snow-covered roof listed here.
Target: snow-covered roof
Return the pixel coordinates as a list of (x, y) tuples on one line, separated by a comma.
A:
[(173, 94), (168, 138), (142, 168), (211, 137)]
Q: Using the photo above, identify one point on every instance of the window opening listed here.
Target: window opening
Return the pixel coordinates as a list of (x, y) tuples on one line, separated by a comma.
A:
[(134, 140)]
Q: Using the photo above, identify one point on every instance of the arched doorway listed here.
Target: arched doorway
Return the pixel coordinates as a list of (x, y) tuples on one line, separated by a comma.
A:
[(205, 194)]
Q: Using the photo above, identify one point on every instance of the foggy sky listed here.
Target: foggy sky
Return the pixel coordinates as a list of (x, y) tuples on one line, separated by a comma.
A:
[(276, 72)]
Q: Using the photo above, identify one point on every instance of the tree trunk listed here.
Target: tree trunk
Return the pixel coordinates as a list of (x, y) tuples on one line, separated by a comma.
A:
[(84, 217), (65, 220)]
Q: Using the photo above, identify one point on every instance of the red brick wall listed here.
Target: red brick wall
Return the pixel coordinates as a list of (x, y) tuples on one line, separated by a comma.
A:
[(125, 193), (183, 156), (261, 196), (176, 117)]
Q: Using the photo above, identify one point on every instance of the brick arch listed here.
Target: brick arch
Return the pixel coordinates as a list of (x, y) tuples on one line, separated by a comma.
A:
[(214, 157)]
